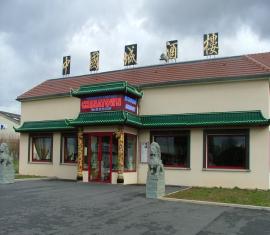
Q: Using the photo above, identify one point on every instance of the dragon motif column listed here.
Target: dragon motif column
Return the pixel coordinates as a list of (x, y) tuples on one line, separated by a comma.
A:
[(80, 154), (120, 137)]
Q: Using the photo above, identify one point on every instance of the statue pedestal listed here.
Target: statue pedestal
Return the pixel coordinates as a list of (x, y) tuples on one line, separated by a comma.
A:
[(7, 174), (155, 185), (6, 165)]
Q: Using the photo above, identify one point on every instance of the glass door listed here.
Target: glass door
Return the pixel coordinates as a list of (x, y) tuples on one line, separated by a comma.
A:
[(105, 169), (94, 163), (100, 157)]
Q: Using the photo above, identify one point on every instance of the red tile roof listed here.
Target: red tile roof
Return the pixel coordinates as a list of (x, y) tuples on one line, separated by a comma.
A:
[(238, 66)]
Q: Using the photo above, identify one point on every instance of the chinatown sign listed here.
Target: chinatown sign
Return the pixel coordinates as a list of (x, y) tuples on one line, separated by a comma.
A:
[(109, 103)]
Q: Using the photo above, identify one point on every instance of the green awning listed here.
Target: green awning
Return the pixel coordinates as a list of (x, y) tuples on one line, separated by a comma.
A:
[(44, 126), (245, 118), (105, 118), (103, 88), (218, 119)]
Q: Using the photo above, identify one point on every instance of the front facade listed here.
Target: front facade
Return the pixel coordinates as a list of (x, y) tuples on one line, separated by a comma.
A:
[(211, 123)]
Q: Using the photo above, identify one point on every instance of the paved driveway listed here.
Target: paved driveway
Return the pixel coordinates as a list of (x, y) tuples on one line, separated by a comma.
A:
[(61, 207)]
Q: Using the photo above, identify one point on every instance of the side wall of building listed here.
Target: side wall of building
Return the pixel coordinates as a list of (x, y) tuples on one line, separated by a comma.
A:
[(199, 98), (255, 177), (52, 169), (7, 132), (65, 170), (221, 97), (50, 109)]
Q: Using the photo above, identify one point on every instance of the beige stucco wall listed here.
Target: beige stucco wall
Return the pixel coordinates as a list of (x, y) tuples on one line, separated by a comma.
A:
[(65, 171), (221, 97), (50, 109), (198, 98), (54, 169), (256, 177), (129, 177)]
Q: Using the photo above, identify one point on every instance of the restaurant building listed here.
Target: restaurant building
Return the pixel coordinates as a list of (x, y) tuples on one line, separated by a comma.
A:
[(210, 118)]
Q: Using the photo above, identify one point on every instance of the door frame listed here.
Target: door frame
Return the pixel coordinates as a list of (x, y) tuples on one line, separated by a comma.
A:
[(99, 135)]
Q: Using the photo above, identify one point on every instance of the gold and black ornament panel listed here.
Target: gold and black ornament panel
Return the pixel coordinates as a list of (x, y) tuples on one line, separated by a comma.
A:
[(172, 50), (94, 61), (66, 65), (210, 44), (130, 55)]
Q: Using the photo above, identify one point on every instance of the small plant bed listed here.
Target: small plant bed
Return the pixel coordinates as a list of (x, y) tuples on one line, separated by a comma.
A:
[(224, 195), (28, 176)]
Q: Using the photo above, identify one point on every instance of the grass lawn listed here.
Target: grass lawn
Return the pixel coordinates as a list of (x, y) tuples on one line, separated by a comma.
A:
[(235, 195), (27, 176), (16, 165)]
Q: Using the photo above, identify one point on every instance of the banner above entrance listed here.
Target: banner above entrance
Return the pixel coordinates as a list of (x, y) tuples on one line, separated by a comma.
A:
[(109, 103)]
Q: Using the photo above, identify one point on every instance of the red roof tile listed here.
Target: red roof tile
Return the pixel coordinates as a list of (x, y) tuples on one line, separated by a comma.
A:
[(238, 66)]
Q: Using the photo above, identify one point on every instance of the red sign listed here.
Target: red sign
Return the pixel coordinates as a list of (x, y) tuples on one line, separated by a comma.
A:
[(108, 103)]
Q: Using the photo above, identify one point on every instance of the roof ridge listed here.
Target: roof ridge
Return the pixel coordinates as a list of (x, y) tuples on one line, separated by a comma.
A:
[(11, 116), (205, 70), (151, 66), (9, 113), (259, 63)]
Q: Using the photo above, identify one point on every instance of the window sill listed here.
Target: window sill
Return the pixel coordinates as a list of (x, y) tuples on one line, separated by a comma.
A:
[(68, 164), (176, 168), (41, 162), (125, 171), (226, 170)]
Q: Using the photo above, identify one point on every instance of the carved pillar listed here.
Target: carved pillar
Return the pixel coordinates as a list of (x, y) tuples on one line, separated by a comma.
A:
[(80, 154), (120, 168)]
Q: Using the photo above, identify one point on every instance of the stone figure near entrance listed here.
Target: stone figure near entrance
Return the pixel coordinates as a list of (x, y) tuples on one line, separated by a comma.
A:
[(6, 165), (155, 184)]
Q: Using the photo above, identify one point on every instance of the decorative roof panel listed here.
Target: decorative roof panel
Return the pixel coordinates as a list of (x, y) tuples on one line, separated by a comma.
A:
[(111, 87), (44, 126)]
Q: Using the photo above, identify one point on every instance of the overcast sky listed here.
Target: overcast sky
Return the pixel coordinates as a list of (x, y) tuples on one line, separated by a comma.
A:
[(36, 34)]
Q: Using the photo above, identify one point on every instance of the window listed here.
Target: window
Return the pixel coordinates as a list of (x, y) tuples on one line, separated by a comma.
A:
[(69, 148), (174, 146), (130, 153), (42, 147), (226, 149), (85, 151), (130, 150), (114, 153)]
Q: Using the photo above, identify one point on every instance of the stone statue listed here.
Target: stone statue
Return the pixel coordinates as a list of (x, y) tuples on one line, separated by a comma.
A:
[(155, 184), (6, 165)]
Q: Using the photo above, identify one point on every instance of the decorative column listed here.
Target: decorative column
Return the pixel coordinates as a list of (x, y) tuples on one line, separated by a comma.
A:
[(120, 168), (80, 154)]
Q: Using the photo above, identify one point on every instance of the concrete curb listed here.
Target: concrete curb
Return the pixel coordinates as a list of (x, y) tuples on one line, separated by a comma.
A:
[(215, 203), (183, 189), (29, 179)]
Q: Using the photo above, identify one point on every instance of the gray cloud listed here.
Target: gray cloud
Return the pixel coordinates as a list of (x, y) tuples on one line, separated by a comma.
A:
[(34, 35), (197, 17), (46, 26)]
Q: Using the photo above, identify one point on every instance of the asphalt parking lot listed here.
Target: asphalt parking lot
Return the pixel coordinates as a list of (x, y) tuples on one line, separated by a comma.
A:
[(61, 207)]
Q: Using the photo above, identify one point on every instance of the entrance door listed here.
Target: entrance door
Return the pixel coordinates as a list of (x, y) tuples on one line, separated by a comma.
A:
[(100, 157)]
